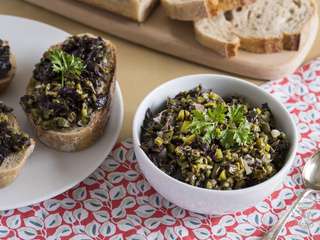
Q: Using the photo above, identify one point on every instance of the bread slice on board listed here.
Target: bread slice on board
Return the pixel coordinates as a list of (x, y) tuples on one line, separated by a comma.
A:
[(263, 27), (12, 165), (137, 10), (190, 10), (5, 82), (185, 10), (79, 138), (217, 35)]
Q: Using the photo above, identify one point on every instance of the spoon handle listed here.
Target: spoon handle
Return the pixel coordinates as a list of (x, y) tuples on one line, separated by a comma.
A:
[(275, 231)]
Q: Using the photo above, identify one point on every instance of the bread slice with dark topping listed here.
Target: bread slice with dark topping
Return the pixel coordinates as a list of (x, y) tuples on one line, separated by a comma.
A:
[(6, 79), (75, 138), (15, 149)]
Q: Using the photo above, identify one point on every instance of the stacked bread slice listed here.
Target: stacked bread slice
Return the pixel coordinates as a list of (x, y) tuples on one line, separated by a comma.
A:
[(186, 10), (261, 26), (137, 10), (189, 10)]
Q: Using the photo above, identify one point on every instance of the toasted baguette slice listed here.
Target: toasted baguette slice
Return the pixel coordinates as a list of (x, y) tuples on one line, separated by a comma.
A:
[(80, 137), (190, 10), (137, 10), (262, 27), (12, 165), (5, 82)]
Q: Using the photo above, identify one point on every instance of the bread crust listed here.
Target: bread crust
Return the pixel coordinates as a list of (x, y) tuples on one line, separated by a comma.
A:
[(193, 10), (14, 163), (257, 45), (223, 48), (185, 11), (130, 8), (291, 42), (5, 82), (217, 6), (81, 137)]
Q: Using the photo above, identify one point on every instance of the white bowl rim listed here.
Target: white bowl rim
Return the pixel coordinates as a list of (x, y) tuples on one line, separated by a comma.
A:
[(291, 153)]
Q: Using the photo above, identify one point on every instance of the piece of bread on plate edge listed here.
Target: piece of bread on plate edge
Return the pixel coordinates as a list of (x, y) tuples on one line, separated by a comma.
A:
[(72, 115), (7, 65), (16, 146)]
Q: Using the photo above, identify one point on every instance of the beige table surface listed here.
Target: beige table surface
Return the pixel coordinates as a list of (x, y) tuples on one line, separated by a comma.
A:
[(139, 69)]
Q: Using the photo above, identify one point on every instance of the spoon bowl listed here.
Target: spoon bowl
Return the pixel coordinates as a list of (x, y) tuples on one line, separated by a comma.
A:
[(311, 180), (311, 172)]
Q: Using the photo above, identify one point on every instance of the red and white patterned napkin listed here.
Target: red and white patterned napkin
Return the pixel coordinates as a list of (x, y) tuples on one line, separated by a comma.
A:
[(116, 202)]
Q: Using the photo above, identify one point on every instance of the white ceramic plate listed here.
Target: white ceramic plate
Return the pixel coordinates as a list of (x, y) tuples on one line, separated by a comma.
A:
[(47, 173)]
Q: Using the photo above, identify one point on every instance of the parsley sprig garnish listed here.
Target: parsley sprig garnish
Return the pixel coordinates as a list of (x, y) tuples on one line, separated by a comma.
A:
[(227, 124), (67, 65), (240, 135), (205, 123)]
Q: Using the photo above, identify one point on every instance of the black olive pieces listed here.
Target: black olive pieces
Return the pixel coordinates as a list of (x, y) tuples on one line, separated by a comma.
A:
[(214, 143)]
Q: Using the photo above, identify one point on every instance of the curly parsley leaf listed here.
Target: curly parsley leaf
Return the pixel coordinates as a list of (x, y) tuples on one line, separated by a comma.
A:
[(243, 134), (237, 130), (217, 114), (209, 134), (204, 123), (227, 138), (65, 64), (201, 125), (237, 136), (236, 114)]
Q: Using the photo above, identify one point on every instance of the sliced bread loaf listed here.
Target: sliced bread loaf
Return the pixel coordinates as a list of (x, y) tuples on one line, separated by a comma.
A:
[(189, 10), (263, 27), (137, 10)]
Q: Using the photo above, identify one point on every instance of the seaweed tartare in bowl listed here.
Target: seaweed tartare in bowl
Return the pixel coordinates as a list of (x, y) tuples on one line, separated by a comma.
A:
[(213, 144)]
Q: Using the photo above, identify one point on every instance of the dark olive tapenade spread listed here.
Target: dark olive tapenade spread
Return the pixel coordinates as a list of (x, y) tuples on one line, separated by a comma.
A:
[(70, 82), (5, 65), (12, 140), (212, 142)]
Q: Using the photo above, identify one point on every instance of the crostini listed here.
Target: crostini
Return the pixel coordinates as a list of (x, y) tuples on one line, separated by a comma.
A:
[(15, 146), (68, 99), (7, 65)]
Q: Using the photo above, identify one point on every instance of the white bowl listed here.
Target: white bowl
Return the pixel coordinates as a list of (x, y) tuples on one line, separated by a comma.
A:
[(199, 199)]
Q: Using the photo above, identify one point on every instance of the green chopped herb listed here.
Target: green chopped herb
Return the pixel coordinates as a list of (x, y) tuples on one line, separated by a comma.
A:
[(65, 64), (237, 130), (237, 136), (236, 114), (217, 114)]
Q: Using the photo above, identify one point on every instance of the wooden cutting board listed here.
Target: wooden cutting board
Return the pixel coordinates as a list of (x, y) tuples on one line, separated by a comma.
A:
[(177, 39)]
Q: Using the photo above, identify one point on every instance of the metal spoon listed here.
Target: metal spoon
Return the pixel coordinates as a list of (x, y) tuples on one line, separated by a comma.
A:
[(311, 180)]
